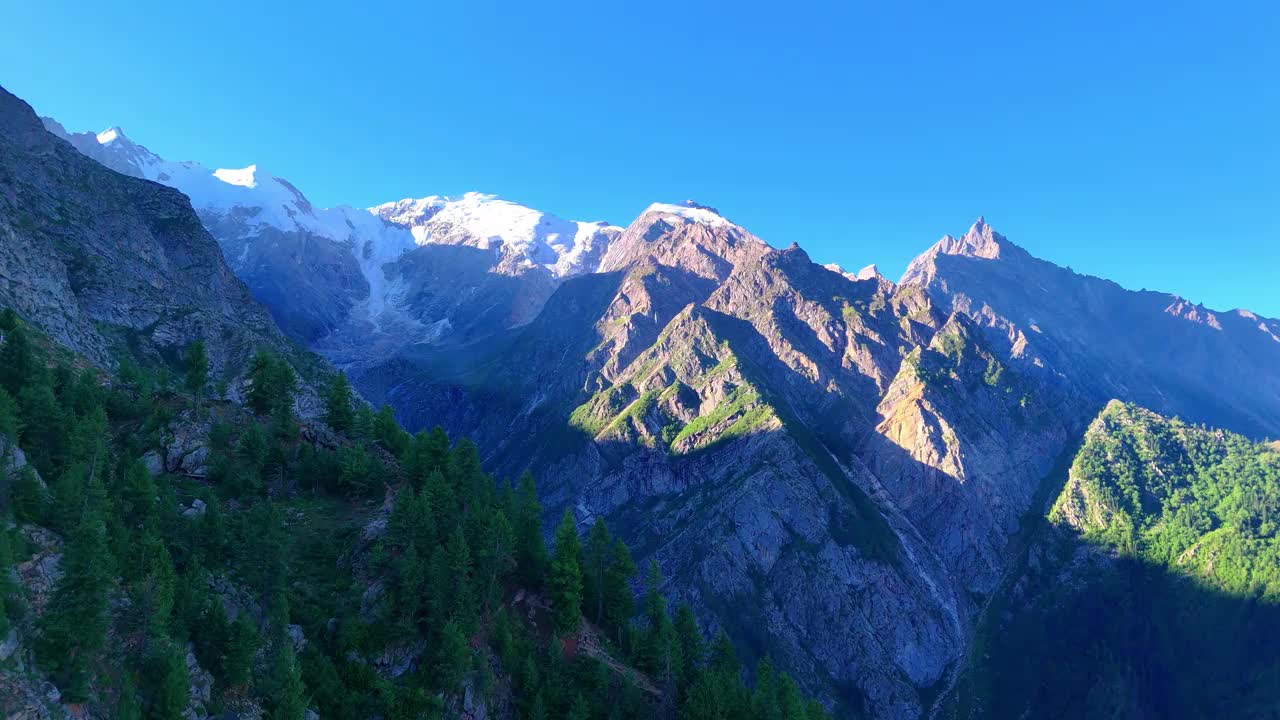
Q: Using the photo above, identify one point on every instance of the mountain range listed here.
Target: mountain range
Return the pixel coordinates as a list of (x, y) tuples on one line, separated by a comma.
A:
[(832, 467)]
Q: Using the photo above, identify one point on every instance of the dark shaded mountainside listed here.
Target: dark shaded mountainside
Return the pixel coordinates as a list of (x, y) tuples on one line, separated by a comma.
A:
[(1151, 588), (113, 266), (838, 471)]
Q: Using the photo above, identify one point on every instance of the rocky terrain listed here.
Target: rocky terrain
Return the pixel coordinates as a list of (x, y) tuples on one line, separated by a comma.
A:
[(110, 265)]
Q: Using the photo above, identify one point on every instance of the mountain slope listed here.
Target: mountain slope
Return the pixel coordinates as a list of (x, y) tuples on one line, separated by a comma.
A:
[(111, 265), (1152, 589), (1151, 348)]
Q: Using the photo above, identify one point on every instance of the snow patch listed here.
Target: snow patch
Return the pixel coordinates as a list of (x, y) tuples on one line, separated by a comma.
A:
[(244, 177), (109, 135)]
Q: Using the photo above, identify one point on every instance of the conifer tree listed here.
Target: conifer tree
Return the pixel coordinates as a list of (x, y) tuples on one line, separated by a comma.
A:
[(764, 699), (242, 642), (444, 506), (462, 605), (169, 681), (18, 364), (197, 362), (272, 384), (692, 645), (43, 431), (288, 699), (10, 415), (453, 657), (338, 403), (595, 565), (128, 705), (565, 581), (531, 556), (619, 602), (30, 501), (7, 586), (388, 432), (74, 626), (579, 710), (537, 710)]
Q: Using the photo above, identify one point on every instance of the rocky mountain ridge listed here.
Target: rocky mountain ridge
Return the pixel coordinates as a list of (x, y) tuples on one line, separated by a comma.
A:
[(330, 274), (113, 266)]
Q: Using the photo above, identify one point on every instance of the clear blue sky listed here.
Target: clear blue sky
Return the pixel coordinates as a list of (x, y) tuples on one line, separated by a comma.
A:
[(1133, 140)]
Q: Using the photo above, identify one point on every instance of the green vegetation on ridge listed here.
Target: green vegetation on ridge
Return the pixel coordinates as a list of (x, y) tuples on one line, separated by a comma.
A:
[(399, 610)]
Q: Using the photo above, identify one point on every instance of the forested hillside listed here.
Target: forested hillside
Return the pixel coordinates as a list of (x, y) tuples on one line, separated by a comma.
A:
[(165, 553), (1154, 589)]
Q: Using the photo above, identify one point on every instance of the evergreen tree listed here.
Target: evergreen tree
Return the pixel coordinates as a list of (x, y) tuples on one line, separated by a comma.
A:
[(619, 602), (358, 471), (443, 504), (462, 606), (791, 705), (128, 705), (723, 657), (272, 384), (692, 645), (362, 424), (414, 585), (10, 415), (595, 565), (495, 558), (30, 500), (388, 432), (406, 517), (74, 626), (764, 700), (288, 699), (137, 506), (153, 594), (466, 476), (242, 643), (44, 425), (537, 710), (197, 363), (19, 366), (531, 555), (7, 586), (169, 682), (565, 581), (579, 710), (453, 657), (339, 413), (67, 499)]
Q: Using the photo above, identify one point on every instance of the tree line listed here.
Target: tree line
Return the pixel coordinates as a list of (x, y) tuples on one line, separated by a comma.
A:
[(269, 572)]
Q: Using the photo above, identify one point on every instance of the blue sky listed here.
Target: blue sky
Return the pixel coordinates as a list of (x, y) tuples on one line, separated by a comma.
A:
[(1133, 140)]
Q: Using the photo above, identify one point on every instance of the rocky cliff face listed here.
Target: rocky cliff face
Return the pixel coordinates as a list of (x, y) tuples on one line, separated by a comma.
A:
[(106, 263), (1151, 348)]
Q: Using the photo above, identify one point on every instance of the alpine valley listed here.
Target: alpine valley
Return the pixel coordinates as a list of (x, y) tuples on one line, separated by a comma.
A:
[(993, 488)]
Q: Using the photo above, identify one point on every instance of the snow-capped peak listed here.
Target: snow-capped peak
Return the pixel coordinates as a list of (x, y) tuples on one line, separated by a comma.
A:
[(485, 221), (691, 210)]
